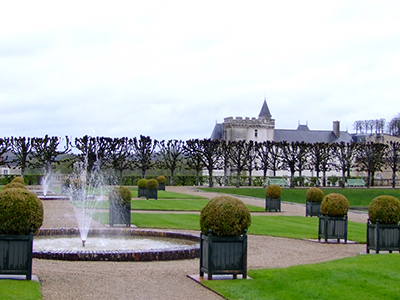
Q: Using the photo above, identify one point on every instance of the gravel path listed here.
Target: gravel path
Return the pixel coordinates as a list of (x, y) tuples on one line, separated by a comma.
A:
[(168, 280)]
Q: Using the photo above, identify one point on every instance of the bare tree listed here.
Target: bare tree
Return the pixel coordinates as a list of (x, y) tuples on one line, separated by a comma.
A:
[(392, 159), (171, 155), (143, 153), (21, 148)]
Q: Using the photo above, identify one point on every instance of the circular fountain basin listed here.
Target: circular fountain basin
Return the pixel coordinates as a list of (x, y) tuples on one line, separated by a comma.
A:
[(117, 244)]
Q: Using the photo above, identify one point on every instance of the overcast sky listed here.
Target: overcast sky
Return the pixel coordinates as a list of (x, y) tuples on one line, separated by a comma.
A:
[(172, 69)]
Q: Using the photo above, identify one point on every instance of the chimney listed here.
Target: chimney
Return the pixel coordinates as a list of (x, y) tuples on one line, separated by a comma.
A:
[(336, 128)]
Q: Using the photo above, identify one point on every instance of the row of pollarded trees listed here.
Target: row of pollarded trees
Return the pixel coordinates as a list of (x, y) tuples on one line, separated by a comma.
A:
[(120, 154), (239, 156)]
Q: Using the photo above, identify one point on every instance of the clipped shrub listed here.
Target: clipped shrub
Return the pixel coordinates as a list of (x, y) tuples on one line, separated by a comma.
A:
[(225, 216), (161, 179), (152, 184), (14, 185), (142, 183), (314, 194), (18, 179), (20, 211), (334, 205), (384, 208), (120, 195), (273, 191)]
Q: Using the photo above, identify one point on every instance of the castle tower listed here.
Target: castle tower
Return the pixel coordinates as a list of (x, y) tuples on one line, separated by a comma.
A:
[(255, 129)]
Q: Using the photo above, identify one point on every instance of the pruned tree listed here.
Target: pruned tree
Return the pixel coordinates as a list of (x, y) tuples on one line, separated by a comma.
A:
[(4, 148), (269, 157), (171, 156), (45, 151), (238, 158), (289, 159), (251, 155), (370, 159), (143, 153), (21, 148), (210, 153), (394, 126), (392, 159), (193, 157), (344, 157), (320, 159), (120, 155)]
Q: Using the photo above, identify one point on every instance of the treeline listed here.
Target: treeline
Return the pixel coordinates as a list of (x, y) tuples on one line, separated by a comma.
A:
[(142, 154)]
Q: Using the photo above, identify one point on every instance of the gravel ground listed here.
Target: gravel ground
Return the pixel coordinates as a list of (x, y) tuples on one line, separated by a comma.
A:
[(168, 280)]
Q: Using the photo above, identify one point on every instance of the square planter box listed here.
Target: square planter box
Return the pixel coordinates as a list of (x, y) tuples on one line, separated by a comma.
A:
[(313, 208), (120, 214), (152, 194), (273, 204), (332, 228), (223, 255), (383, 237), (142, 192), (16, 255), (161, 186)]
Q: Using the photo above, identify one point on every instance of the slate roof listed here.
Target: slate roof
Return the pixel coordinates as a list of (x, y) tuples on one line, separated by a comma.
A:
[(217, 132), (310, 136), (264, 113)]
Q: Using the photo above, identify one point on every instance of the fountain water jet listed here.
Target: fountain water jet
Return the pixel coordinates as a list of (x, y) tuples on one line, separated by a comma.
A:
[(85, 190)]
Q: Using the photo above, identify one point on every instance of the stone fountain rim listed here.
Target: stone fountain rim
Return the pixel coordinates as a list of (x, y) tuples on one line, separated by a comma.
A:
[(188, 252)]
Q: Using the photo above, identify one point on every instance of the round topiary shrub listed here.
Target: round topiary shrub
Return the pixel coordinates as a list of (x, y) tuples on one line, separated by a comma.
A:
[(142, 183), (152, 184), (273, 191), (14, 185), (120, 195), (161, 179), (225, 216), (314, 194), (18, 180), (20, 211), (334, 205), (384, 208)]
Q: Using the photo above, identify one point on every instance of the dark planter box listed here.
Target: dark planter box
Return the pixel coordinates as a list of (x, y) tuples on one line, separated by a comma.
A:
[(273, 204), (152, 194), (313, 208), (223, 255), (332, 228), (120, 214), (383, 237), (142, 192), (161, 186), (16, 255)]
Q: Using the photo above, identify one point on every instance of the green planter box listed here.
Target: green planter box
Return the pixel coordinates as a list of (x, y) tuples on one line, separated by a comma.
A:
[(120, 214), (383, 237), (16, 255), (313, 208), (152, 194), (161, 186), (142, 192), (223, 255), (273, 204), (332, 228)]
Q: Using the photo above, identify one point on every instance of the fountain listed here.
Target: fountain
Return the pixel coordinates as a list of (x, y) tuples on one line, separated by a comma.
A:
[(85, 190)]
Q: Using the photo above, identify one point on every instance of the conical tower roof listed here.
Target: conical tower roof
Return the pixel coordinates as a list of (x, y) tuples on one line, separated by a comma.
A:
[(264, 113)]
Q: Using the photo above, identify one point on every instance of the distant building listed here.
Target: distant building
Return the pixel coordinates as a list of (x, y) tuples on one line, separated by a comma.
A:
[(263, 129)]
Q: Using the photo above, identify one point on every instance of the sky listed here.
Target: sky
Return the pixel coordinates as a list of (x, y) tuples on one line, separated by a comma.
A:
[(172, 69)]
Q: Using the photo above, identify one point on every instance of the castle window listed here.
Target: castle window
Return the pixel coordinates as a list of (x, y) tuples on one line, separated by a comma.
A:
[(255, 133)]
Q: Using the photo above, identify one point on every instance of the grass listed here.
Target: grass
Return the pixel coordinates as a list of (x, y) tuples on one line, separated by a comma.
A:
[(162, 205), (361, 277), (279, 226), (358, 197), (19, 290)]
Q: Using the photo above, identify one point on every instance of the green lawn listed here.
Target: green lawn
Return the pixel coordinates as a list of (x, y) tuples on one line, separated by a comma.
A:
[(361, 277), (20, 290), (356, 196), (280, 226), (171, 205)]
